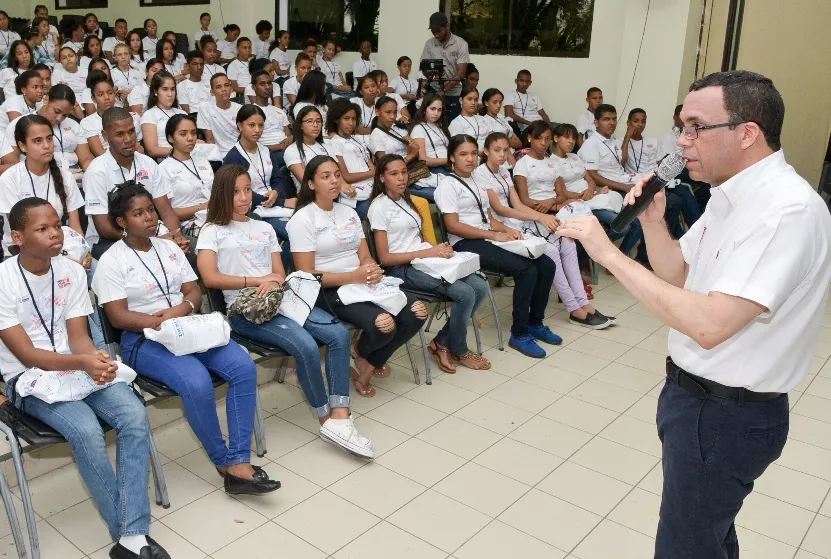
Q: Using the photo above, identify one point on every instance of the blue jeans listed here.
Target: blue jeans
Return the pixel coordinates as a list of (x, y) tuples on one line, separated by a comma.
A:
[(94, 321), (681, 201), (120, 495), (279, 225), (713, 450), (278, 159), (630, 237), (189, 376), (426, 192), (362, 208), (467, 294), (301, 343), (452, 107)]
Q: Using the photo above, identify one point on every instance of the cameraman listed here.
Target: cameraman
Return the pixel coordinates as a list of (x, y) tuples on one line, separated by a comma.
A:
[(453, 50)]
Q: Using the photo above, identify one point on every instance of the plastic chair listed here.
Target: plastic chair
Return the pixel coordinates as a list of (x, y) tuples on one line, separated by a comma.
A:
[(160, 391), (39, 435), (488, 274)]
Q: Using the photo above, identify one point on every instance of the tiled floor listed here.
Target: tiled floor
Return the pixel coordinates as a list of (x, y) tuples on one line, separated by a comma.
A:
[(551, 459)]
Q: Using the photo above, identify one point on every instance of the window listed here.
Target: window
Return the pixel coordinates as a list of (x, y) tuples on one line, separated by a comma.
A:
[(79, 4), (348, 22), (151, 3), (560, 28)]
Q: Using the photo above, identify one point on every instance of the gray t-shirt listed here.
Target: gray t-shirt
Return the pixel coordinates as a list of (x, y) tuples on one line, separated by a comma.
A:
[(454, 52)]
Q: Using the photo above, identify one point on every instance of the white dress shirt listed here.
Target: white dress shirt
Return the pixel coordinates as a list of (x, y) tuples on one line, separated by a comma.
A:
[(763, 237)]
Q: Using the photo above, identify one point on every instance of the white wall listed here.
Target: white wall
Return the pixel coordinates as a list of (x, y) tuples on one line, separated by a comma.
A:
[(560, 82)]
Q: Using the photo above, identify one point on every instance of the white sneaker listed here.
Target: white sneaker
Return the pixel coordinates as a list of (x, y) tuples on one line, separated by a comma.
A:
[(342, 433)]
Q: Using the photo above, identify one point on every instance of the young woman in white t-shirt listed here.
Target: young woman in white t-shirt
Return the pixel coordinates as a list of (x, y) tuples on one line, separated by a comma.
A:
[(492, 100), (166, 54), (39, 175), (463, 201), (397, 230), (39, 281), (509, 209), (228, 46), (87, 102), (190, 177), (367, 95), (327, 238), (103, 93), (29, 85), (92, 49), (137, 99), (137, 60), (69, 74), (469, 122), (236, 252), (308, 141), (151, 38), (386, 138), (281, 58), (312, 91), (238, 68), (402, 84), (19, 59), (124, 76), (142, 281), (161, 105), (429, 130), (352, 155), (334, 75)]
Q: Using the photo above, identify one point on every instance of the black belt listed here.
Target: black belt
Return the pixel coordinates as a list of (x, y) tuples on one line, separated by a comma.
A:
[(701, 387)]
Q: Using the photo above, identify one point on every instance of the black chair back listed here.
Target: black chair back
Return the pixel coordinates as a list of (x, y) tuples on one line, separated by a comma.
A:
[(216, 300), (112, 335), (182, 43), (350, 79)]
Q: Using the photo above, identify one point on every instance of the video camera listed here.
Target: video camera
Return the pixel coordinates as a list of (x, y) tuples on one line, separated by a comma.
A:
[(433, 69)]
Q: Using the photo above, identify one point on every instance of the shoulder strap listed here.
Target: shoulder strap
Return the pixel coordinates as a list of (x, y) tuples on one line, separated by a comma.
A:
[(475, 197), (391, 135)]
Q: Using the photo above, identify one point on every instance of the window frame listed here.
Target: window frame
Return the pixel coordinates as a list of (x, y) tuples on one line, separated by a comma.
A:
[(446, 6), (171, 3), (283, 17), (89, 5)]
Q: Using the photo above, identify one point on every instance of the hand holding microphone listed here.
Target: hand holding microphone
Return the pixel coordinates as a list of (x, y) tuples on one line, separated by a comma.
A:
[(640, 197)]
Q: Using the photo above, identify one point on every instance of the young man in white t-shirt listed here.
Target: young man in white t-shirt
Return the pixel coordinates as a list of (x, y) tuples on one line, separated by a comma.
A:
[(219, 119), (118, 165), (44, 305), (524, 107), (363, 65), (585, 122), (111, 42), (606, 156), (193, 92)]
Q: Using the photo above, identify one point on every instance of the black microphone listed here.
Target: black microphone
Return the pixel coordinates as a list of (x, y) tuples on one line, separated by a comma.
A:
[(670, 167)]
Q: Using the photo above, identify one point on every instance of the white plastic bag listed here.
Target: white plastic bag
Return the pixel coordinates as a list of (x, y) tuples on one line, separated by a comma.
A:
[(191, 334), (577, 208), (460, 265), (65, 386), (529, 247), (299, 296), (386, 294), (273, 211), (75, 246), (611, 201)]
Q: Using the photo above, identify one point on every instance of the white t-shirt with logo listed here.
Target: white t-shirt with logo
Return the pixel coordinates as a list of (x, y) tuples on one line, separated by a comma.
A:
[(586, 122), (189, 183), (454, 198), (67, 136), (501, 184), (124, 273), (193, 94), (539, 174), (435, 142), (18, 183), (260, 167), (356, 157), (526, 105), (333, 236), (127, 80), (643, 156), (290, 87), (573, 171), (388, 142), (604, 156), (209, 71), (498, 124), (402, 224), (242, 249), (104, 173), (177, 66), (475, 126), (238, 71), (77, 81), (292, 156), (274, 130), (16, 308), (158, 117), (404, 86), (281, 57), (222, 123)]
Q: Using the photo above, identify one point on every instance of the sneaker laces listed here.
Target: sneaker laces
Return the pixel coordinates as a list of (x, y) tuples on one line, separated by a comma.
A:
[(355, 437)]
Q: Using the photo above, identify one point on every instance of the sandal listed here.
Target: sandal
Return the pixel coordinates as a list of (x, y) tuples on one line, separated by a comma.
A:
[(379, 372), (473, 360), (367, 390), (438, 350)]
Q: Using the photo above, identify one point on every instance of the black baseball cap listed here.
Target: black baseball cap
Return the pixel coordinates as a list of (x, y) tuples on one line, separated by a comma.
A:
[(438, 20)]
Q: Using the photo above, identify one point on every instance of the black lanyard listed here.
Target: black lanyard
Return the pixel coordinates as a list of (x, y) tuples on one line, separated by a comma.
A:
[(613, 154), (442, 137), (166, 294), (60, 136), (7, 38), (135, 171), (364, 123), (331, 69), (471, 126), (503, 185), (640, 156), (406, 83), (475, 196), (194, 171), (522, 106), (260, 173), (365, 153), (49, 331), (32, 180), (303, 152), (126, 76), (504, 126), (395, 135)]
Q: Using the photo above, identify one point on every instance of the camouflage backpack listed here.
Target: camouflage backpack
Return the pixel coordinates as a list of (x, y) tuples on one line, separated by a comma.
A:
[(257, 309)]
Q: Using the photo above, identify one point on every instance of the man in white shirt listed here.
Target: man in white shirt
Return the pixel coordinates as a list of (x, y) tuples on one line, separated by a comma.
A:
[(118, 165), (453, 50), (744, 292), (363, 65), (523, 107), (606, 156), (193, 91), (111, 42), (585, 122), (219, 119)]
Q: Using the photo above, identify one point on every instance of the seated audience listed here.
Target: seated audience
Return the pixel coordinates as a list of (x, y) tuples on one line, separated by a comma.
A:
[(464, 204), (103, 95), (238, 68), (469, 122), (327, 238), (161, 105), (30, 281), (236, 252), (68, 73), (332, 71), (151, 39), (121, 284), (74, 35), (364, 65), (92, 49), (308, 141), (523, 107), (585, 122), (193, 92), (137, 60), (397, 230), (277, 130), (87, 101), (138, 97), (302, 66), (9, 36), (228, 46), (281, 58), (219, 119), (124, 76), (92, 26), (204, 28), (167, 55), (18, 59), (353, 156), (492, 100), (44, 46), (211, 53), (312, 92), (429, 130), (29, 98), (120, 38), (260, 45), (263, 66), (402, 84), (367, 91), (402, 114)]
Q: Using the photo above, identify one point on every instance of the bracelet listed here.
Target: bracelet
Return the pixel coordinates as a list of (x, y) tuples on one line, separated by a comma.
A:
[(192, 306)]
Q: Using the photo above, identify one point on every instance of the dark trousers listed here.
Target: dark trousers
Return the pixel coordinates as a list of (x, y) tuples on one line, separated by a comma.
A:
[(713, 450), (375, 346), (681, 201), (452, 107), (279, 225), (533, 279)]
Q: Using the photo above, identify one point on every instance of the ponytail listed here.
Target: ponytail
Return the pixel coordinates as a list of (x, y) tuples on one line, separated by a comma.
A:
[(60, 187)]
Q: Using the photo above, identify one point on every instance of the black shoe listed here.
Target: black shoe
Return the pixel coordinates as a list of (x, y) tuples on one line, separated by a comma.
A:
[(8, 413), (259, 473), (238, 486), (158, 551), (118, 551), (611, 319), (593, 321)]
